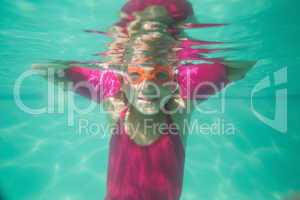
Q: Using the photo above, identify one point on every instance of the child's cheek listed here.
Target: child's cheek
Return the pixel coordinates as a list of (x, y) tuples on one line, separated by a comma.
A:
[(165, 91)]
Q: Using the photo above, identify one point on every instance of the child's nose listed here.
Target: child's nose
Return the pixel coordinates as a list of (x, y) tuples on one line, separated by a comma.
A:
[(150, 77), (149, 87)]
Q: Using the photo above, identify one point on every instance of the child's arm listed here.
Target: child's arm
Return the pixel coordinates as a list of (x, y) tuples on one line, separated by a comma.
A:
[(237, 70), (199, 81), (94, 83)]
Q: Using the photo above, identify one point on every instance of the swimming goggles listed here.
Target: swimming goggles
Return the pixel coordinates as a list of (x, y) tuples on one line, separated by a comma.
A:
[(159, 75)]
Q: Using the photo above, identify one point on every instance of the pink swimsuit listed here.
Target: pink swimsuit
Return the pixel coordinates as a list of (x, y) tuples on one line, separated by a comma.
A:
[(152, 172)]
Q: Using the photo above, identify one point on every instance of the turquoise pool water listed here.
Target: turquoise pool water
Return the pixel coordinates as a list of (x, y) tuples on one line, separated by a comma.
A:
[(41, 157)]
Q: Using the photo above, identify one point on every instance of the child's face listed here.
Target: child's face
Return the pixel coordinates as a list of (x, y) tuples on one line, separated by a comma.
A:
[(148, 89)]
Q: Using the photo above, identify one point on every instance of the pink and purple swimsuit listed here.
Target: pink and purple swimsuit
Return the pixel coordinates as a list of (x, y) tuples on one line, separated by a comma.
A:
[(155, 171), (152, 172)]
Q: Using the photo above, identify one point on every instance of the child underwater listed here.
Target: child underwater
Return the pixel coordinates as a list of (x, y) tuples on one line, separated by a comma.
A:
[(152, 74)]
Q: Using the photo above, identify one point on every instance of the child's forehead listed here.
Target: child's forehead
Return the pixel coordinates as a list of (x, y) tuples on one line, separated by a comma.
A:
[(150, 67)]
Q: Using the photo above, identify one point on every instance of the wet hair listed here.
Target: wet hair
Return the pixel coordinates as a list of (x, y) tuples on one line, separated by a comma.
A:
[(146, 36)]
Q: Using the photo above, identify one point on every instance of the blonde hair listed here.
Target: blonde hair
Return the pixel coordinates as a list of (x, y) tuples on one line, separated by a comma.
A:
[(131, 46)]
